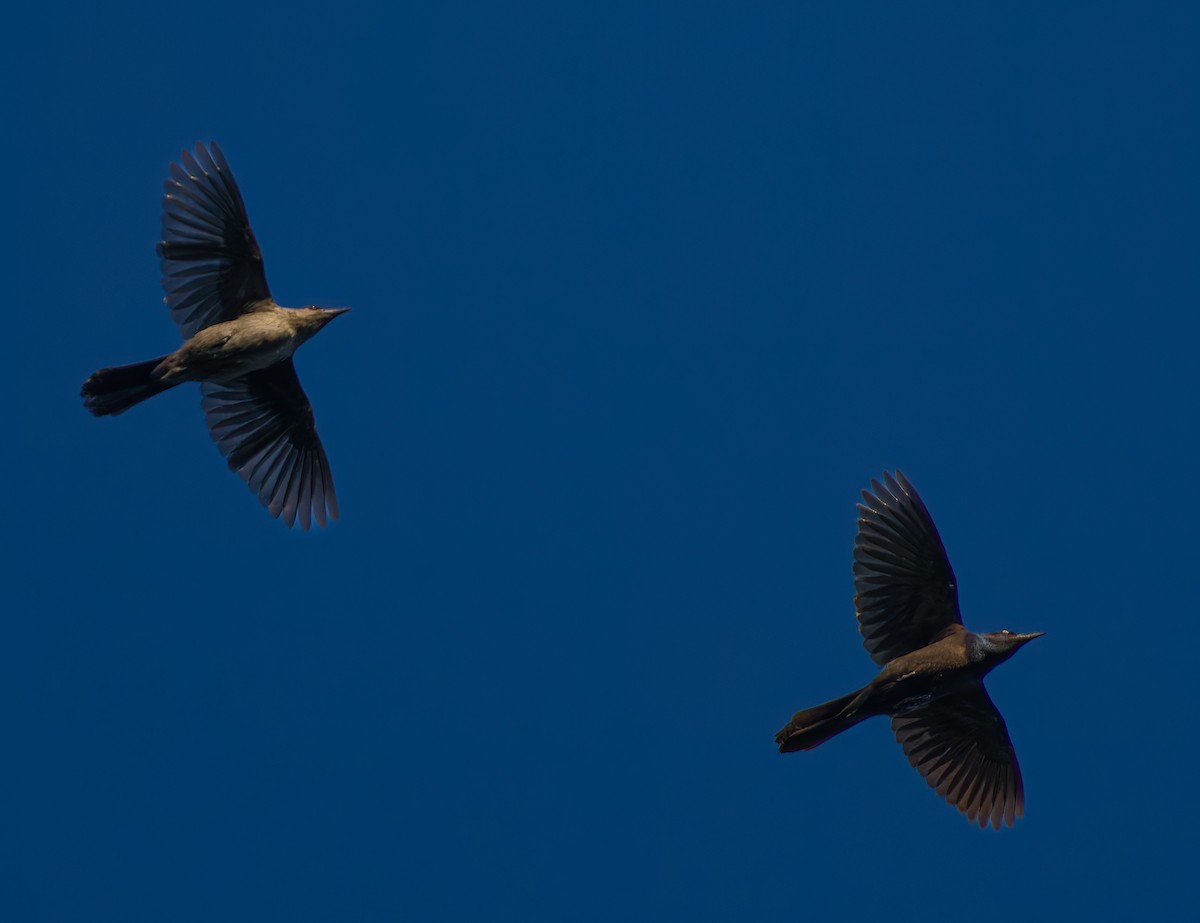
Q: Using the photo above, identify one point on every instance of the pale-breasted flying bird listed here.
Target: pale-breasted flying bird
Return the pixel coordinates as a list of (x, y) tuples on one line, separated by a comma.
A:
[(238, 345)]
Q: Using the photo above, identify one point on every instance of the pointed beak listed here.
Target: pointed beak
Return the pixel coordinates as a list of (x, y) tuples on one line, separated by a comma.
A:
[(1025, 639), (328, 314)]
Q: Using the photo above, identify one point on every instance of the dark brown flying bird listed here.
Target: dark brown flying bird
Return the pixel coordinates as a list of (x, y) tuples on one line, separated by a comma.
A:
[(239, 345), (931, 683)]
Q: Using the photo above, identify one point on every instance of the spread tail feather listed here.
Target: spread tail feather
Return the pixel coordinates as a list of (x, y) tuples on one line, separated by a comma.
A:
[(814, 726), (112, 391)]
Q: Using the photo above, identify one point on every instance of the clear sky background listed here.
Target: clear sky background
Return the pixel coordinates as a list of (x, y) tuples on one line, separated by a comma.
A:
[(643, 294)]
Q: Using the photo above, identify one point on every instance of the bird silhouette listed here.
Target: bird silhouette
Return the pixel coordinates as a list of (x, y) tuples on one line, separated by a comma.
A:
[(931, 684)]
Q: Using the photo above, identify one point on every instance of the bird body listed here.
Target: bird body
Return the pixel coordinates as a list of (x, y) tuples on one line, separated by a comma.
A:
[(238, 345), (264, 336), (952, 665), (931, 681)]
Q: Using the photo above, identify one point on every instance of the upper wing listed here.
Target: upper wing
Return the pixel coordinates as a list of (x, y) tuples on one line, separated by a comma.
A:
[(263, 423), (212, 269), (961, 746), (905, 592)]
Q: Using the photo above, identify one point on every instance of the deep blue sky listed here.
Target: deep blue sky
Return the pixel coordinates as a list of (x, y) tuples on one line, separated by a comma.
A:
[(643, 295)]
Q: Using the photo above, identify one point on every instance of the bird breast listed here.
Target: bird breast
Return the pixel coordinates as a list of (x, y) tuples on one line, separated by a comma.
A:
[(229, 350)]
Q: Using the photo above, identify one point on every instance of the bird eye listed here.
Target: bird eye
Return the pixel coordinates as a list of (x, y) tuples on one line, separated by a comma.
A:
[(1006, 632)]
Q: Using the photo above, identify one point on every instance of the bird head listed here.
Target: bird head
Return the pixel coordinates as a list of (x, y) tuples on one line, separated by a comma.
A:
[(311, 318), (998, 646)]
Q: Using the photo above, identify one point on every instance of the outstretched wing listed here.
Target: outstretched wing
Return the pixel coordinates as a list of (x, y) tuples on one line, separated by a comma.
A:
[(961, 746), (263, 424), (212, 269), (906, 595)]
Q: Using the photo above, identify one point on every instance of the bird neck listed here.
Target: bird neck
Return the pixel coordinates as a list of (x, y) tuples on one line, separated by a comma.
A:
[(987, 651)]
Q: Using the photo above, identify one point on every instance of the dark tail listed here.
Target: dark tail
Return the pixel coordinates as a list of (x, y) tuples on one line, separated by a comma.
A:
[(109, 392), (816, 725)]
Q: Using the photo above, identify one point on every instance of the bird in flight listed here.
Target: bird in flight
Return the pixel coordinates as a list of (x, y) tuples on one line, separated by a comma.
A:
[(931, 684), (238, 345)]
